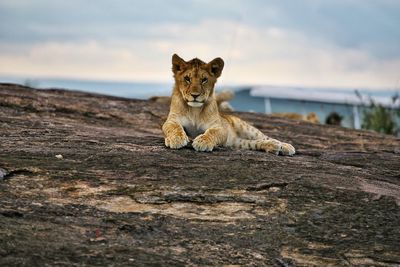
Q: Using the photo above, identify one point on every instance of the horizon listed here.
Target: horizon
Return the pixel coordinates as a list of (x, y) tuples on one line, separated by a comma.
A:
[(22, 79), (146, 89)]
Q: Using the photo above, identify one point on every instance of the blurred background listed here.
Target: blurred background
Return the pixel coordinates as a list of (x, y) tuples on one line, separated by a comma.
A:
[(326, 58)]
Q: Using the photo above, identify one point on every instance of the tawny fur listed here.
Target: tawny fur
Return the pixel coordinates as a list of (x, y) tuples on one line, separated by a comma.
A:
[(194, 113), (310, 117)]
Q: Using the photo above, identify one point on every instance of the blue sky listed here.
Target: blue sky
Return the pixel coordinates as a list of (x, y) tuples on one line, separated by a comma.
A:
[(353, 43)]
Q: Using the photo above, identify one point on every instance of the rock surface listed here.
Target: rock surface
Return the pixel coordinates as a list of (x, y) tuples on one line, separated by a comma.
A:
[(86, 180)]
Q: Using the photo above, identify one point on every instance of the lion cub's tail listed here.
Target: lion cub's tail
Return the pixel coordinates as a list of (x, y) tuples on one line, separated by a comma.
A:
[(222, 99), (224, 96)]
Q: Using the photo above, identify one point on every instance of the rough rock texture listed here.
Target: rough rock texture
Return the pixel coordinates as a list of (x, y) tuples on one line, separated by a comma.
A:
[(115, 196)]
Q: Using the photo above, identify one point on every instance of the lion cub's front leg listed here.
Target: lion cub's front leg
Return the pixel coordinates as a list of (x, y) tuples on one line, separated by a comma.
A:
[(210, 139), (175, 136)]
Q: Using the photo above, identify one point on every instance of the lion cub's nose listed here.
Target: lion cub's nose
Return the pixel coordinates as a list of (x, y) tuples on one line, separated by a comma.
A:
[(195, 95)]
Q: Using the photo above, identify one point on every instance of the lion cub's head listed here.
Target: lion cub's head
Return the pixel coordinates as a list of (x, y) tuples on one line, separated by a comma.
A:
[(195, 79)]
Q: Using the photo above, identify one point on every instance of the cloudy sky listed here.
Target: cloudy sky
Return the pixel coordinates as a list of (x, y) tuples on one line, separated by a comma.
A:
[(325, 43)]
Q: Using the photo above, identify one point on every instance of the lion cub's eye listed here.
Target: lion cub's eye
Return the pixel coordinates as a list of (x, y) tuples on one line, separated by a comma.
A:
[(204, 80), (187, 79)]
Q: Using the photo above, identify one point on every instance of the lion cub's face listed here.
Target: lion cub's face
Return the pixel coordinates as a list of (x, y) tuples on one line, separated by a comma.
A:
[(195, 79)]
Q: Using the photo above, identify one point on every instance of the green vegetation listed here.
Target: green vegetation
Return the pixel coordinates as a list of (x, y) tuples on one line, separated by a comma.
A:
[(381, 119)]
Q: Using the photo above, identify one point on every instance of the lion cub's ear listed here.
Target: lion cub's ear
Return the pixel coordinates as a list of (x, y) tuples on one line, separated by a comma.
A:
[(216, 66), (178, 63)]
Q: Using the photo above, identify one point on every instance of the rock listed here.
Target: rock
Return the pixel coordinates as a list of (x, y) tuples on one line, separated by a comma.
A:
[(3, 174), (119, 196)]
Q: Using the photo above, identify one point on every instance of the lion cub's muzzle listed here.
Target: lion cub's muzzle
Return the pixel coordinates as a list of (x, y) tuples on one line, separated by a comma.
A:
[(196, 100)]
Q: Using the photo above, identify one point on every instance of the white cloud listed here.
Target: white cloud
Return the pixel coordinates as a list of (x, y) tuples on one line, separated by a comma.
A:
[(272, 55), (85, 60)]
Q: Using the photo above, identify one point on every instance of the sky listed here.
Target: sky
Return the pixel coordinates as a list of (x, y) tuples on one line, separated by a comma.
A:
[(323, 43)]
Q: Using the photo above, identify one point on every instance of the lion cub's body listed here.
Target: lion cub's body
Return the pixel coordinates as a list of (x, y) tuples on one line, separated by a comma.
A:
[(194, 113)]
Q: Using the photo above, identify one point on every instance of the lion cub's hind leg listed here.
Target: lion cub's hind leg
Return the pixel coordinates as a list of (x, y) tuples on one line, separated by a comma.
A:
[(245, 130), (249, 137), (271, 145), (268, 145)]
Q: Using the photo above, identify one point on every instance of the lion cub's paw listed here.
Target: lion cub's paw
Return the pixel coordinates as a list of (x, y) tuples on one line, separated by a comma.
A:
[(177, 141), (287, 149), (272, 146), (203, 143)]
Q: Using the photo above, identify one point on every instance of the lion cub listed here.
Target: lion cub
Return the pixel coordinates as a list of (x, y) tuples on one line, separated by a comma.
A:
[(194, 113)]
